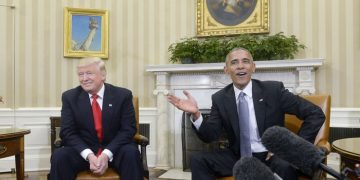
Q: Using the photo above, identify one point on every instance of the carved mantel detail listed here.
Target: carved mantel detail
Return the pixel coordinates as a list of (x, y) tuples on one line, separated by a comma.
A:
[(202, 80)]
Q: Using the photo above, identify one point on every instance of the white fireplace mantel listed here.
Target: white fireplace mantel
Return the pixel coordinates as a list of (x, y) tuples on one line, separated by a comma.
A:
[(202, 80), (275, 64)]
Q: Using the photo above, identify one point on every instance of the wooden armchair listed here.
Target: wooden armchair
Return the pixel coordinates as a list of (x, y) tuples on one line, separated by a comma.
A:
[(293, 124), (110, 174)]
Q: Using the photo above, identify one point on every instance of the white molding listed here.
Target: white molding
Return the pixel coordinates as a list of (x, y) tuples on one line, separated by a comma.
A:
[(273, 64), (38, 112), (345, 117), (6, 112)]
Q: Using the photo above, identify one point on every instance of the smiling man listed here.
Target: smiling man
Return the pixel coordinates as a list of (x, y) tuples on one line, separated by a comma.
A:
[(97, 127), (245, 109)]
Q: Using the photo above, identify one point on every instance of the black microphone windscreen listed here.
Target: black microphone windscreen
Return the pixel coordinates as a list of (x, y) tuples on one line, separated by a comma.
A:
[(292, 148), (250, 168)]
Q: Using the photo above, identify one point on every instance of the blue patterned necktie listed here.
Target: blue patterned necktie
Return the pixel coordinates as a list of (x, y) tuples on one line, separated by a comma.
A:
[(243, 114)]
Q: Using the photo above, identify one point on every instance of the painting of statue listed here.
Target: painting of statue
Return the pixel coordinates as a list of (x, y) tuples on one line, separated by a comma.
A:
[(86, 35), (85, 32)]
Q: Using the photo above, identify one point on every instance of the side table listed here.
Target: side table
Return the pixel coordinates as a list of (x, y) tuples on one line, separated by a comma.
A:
[(12, 144), (349, 151)]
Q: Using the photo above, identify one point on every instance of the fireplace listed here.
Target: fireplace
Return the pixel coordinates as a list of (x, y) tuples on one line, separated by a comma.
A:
[(203, 80), (191, 144)]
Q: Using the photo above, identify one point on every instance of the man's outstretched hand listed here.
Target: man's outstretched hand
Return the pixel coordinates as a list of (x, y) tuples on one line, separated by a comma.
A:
[(188, 105)]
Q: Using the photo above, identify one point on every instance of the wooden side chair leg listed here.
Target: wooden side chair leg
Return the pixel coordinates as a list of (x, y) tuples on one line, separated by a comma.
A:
[(144, 161)]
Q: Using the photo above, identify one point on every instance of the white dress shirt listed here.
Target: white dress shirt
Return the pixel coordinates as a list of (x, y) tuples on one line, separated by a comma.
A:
[(100, 99), (255, 140)]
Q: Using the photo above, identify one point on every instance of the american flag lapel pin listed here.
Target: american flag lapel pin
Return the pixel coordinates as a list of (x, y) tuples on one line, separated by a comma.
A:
[(110, 105), (261, 100)]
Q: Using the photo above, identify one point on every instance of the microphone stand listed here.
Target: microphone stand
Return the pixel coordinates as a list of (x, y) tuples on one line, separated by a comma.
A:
[(356, 171), (332, 172), (344, 172)]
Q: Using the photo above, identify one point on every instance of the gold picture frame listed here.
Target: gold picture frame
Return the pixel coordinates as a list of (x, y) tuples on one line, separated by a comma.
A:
[(85, 32), (230, 17)]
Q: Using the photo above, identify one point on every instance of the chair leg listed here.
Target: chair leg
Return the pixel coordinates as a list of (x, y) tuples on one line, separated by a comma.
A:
[(144, 161)]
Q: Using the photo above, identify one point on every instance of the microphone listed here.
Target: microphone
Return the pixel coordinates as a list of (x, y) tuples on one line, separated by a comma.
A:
[(250, 168), (296, 150)]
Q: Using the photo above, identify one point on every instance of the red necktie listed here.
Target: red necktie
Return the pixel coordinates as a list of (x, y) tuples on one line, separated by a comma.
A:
[(97, 120)]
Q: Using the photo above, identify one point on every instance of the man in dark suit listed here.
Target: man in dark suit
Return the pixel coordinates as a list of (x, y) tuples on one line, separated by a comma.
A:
[(97, 127), (267, 102)]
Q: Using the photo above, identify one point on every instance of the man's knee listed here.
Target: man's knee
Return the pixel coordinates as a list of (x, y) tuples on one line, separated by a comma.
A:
[(59, 155), (129, 150), (65, 156), (197, 160), (127, 158)]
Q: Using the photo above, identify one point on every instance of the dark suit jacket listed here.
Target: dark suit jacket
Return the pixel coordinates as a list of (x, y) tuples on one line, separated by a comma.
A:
[(271, 102), (118, 119)]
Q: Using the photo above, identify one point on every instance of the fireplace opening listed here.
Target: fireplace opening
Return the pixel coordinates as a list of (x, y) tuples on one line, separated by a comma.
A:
[(192, 144)]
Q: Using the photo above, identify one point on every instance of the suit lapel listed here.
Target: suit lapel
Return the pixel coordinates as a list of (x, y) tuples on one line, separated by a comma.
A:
[(259, 106), (86, 111), (107, 109), (230, 104)]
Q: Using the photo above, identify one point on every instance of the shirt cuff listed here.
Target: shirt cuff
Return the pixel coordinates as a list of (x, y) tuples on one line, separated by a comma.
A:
[(85, 153), (198, 121), (109, 154)]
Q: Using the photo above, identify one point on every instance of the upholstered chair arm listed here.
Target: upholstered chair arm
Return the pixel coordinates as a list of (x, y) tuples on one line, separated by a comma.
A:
[(324, 146)]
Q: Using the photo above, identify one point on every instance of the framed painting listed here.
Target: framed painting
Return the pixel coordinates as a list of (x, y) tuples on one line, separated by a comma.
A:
[(85, 32), (230, 17)]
